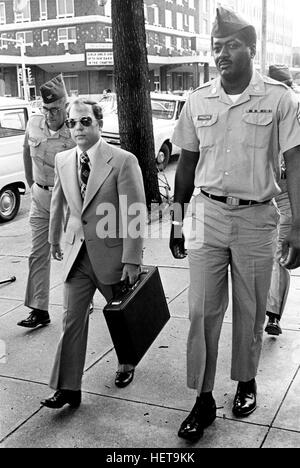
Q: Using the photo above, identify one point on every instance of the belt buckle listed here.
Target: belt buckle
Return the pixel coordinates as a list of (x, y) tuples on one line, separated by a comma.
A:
[(232, 201), (50, 189)]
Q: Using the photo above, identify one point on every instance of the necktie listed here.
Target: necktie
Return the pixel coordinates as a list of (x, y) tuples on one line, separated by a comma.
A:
[(84, 173)]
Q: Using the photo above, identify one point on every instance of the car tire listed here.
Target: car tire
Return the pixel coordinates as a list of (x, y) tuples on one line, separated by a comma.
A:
[(163, 157), (9, 203)]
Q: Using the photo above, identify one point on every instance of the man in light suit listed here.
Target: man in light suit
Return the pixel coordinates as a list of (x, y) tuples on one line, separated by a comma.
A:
[(102, 188)]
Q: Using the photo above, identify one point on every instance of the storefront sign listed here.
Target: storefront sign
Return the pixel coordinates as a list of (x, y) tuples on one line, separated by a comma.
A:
[(98, 58)]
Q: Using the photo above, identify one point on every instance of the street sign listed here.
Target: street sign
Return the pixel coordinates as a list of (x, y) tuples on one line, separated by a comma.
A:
[(97, 58), (98, 46)]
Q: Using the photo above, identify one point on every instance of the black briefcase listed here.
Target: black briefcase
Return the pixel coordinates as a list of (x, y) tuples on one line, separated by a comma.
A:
[(136, 318)]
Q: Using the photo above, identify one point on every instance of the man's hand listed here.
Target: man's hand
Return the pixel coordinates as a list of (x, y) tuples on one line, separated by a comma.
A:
[(177, 242), (131, 273), (57, 253), (291, 248)]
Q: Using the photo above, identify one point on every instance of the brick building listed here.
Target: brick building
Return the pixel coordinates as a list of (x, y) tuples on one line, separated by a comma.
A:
[(74, 37)]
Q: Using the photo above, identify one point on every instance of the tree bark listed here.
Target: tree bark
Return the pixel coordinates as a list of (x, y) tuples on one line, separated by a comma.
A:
[(133, 89)]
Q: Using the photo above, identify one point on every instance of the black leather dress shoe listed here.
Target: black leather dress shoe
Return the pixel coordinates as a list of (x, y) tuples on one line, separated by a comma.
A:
[(202, 415), (124, 378), (273, 327), (245, 399), (62, 398), (35, 318)]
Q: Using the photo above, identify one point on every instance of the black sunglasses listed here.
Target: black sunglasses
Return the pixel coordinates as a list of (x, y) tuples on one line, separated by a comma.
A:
[(84, 121)]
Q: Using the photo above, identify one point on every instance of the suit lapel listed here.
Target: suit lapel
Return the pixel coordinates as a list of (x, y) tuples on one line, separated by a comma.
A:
[(99, 173), (70, 181)]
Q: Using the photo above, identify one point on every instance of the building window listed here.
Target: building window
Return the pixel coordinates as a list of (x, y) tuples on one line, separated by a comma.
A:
[(179, 2), (179, 21), (2, 13), (204, 26), (108, 33), (168, 42), (192, 4), (22, 15), (191, 23), (179, 43), (43, 10), (107, 8), (72, 84), (156, 15), (65, 8), (26, 37), (66, 35), (45, 37), (3, 43), (169, 19), (206, 6)]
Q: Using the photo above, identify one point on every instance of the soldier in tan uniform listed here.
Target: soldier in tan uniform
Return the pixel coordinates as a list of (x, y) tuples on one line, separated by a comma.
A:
[(46, 135), (231, 131), (280, 283)]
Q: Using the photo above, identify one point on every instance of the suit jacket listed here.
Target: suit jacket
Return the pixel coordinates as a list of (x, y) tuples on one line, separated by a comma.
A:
[(115, 184)]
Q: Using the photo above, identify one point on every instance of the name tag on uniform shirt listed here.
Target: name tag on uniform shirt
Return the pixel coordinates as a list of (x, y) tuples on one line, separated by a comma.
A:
[(203, 118)]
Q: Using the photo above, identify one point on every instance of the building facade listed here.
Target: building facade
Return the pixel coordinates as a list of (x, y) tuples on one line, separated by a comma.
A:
[(74, 37), (279, 27)]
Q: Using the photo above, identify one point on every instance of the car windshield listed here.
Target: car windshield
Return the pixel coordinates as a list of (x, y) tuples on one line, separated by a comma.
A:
[(163, 109), (108, 103)]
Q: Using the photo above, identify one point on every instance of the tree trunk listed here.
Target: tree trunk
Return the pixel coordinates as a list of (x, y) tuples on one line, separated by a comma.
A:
[(133, 90)]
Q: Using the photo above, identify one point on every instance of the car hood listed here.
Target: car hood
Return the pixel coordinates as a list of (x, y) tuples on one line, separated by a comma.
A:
[(111, 123)]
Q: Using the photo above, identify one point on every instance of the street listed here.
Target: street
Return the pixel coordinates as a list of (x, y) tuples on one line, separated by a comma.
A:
[(148, 412)]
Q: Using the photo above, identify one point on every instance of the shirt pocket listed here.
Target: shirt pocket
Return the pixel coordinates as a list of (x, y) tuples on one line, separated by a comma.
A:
[(258, 129), (37, 146), (207, 129)]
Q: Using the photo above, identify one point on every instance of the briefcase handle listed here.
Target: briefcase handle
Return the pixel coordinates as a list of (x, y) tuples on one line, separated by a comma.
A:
[(128, 289), (135, 285)]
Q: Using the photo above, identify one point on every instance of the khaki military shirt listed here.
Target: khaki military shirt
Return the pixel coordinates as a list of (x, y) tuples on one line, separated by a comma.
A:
[(44, 147), (240, 142)]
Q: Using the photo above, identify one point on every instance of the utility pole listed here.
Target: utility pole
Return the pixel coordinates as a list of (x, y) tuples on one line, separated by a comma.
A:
[(263, 59)]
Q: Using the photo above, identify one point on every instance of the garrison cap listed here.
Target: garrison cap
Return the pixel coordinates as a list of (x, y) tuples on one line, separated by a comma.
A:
[(53, 90), (280, 73), (228, 22)]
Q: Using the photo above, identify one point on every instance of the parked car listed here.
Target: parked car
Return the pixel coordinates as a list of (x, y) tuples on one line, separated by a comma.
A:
[(13, 120), (166, 109)]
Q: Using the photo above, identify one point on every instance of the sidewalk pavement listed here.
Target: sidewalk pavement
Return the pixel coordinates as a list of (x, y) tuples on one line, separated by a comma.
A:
[(149, 412)]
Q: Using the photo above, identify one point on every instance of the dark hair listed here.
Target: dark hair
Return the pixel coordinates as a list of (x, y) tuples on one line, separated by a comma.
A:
[(97, 110)]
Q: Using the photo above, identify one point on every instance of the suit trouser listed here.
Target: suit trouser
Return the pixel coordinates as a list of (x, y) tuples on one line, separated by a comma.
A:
[(79, 290), (38, 283), (280, 283), (242, 238)]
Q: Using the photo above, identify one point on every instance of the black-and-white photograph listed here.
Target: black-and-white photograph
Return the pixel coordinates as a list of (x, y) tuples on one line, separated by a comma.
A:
[(149, 226)]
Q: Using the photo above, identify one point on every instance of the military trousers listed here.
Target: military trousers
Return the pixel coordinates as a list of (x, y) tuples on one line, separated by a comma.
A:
[(280, 283), (220, 239), (38, 282), (70, 357)]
